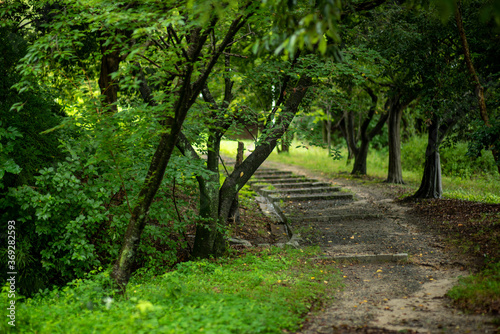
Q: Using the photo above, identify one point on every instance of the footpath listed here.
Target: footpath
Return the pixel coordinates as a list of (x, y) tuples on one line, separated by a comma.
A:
[(395, 276)]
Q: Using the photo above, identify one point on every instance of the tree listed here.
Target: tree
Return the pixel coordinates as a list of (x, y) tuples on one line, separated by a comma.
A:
[(99, 55), (361, 152), (216, 199), (479, 89), (161, 36)]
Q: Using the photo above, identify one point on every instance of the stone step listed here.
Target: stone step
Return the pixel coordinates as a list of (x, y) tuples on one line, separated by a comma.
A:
[(311, 197), (333, 218), (366, 258), (308, 190), (320, 207), (300, 185), (335, 210), (279, 180), (265, 177), (260, 173)]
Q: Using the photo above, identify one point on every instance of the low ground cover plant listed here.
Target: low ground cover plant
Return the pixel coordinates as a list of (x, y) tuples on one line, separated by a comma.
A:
[(262, 291), (479, 293)]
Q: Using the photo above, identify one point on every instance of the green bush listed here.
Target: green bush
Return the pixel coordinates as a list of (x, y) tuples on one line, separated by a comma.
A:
[(454, 159), (413, 153), (75, 217)]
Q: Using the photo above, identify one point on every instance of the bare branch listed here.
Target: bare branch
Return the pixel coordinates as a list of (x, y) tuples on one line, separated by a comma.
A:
[(234, 55)]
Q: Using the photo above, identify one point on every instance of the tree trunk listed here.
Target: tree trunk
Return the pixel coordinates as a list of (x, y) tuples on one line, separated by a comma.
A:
[(359, 167), (285, 142), (329, 133), (126, 259), (241, 174), (209, 201), (395, 172), (234, 212), (350, 135), (430, 186)]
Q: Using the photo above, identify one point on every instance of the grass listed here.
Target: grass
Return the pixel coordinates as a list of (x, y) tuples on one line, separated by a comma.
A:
[(479, 293), (254, 292), (481, 187)]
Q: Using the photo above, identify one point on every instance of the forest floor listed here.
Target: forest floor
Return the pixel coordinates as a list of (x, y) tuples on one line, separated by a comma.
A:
[(444, 239)]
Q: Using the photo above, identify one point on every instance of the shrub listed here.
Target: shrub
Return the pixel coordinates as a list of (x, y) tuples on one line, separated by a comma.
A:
[(454, 159)]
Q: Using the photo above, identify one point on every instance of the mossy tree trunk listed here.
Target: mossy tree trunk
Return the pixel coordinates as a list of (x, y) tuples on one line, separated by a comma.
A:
[(477, 83), (188, 89), (211, 241)]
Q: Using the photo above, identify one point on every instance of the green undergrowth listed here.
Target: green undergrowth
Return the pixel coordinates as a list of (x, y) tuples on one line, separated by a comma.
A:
[(254, 292), (479, 293), (463, 178)]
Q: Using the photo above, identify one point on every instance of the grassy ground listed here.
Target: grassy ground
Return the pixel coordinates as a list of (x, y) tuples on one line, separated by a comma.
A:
[(264, 291)]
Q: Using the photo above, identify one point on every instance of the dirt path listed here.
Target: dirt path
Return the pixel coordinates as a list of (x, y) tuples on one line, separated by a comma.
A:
[(380, 296)]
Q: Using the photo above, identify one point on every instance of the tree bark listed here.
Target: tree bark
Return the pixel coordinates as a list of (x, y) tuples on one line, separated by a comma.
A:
[(234, 212), (361, 152), (206, 231), (241, 174), (285, 140), (271, 135), (359, 167), (431, 186), (350, 135), (395, 171)]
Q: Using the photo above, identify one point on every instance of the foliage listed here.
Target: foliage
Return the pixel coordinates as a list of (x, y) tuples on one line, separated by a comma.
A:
[(24, 150), (7, 164), (70, 219), (263, 292), (455, 161), (485, 138), (38, 113)]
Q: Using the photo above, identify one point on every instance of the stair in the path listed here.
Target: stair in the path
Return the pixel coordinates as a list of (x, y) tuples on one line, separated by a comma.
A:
[(277, 173), (286, 187), (336, 196), (333, 218), (303, 190), (325, 215), (308, 184), (277, 179)]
